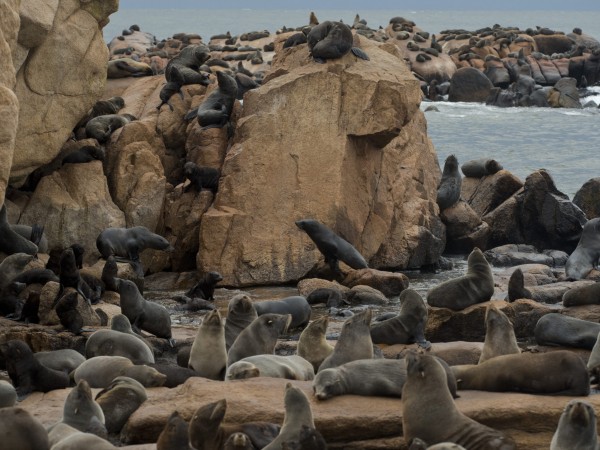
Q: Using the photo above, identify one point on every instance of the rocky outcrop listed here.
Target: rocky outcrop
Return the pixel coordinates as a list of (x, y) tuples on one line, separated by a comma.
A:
[(469, 85), (564, 94), (586, 198), (345, 161)]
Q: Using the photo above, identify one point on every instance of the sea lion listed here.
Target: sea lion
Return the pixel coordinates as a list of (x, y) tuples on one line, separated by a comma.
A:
[(296, 306), (205, 287), (69, 277), (576, 428), (593, 363), (175, 434), (309, 439), (101, 127), (587, 253), (85, 154), (127, 243), (479, 168), (79, 440), (101, 108), (109, 274), (333, 247), (10, 303), (215, 111), (331, 297), (245, 83), (8, 394), (119, 400), (582, 295), (560, 373), (81, 409), (516, 287), (201, 177), (354, 342), (207, 432), (560, 330), (20, 430), (448, 192), (191, 58), (476, 286), (238, 441), (69, 316), (117, 343), (291, 367), (143, 314), (175, 374), (426, 394), (11, 266), (208, 355), (500, 336), (240, 314), (100, 371), (313, 345), (64, 360), (27, 373), (330, 40), (34, 234), (408, 326), (127, 67), (297, 414), (12, 242), (260, 337)]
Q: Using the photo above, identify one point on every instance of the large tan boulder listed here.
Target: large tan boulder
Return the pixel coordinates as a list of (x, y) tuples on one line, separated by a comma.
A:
[(74, 205), (487, 193), (62, 76), (342, 142)]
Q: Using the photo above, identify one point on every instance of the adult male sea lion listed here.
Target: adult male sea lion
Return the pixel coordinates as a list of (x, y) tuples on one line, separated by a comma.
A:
[(313, 345), (119, 400), (208, 355), (100, 371), (20, 430), (240, 314), (561, 373), (12, 242), (291, 367), (426, 394), (476, 286), (101, 127), (354, 342), (296, 306), (408, 326), (333, 247), (479, 168), (500, 336), (448, 192), (330, 40), (587, 253), (560, 330), (576, 428)]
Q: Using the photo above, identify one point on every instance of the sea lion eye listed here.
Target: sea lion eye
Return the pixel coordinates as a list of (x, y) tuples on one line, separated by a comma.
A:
[(269, 322)]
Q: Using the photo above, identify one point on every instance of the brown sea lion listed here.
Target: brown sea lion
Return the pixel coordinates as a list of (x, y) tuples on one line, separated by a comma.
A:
[(81, 410), (331, 40), (500, 336), (101, 127), (175, 434), (561, 330), (205, 287), (313, 345), (426, 394), (476, 286), (12, 242), (582, 295), (208, 356), (586, 255), (64, 360), (119, 400), (100, 371), (20, 430), (576, 428), (240, 314), (296, 306), (292, 367), (118, 343), (8, 394), (238, 441)]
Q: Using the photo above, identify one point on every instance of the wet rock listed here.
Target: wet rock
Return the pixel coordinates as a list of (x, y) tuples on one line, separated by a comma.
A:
[(391, 284), (587, 198), (564, 94), (469, 85)]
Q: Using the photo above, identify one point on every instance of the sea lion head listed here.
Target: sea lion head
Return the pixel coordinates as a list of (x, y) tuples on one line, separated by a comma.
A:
[(212, 319), (327, 384), (451, 165), (121, 323), (240, 304), (241, 370), (495, 318), (208, 417)]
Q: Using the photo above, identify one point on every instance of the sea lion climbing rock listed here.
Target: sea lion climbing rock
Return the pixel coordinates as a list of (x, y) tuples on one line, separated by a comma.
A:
[(330, 40)]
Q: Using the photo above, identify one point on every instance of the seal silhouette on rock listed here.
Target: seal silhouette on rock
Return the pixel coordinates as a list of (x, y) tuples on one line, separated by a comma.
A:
[(426, 394), (479, 168), (448, 192), (576, 428), (500, 336), (476, 286), (215, 111), (331, 40), (101, 127), (296, 306), (333, 247), (586, 255), (313, 345), (208, 356), (240, 314), (291, 367)]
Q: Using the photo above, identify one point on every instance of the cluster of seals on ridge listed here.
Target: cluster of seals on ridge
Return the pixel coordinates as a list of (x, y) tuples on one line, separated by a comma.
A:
[(586, 255), (216, 109), (101, 127), (332, 247), (500, 336), (296, 306), (331, 40), (426, 394), (201, 177), (576, 428), (448, 192), (479, 168)]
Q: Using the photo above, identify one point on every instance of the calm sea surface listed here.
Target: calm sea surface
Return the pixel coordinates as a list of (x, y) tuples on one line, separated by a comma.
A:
[(565, 142)]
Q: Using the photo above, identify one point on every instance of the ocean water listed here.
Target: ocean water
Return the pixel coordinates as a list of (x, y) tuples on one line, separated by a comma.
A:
[(523, 139)]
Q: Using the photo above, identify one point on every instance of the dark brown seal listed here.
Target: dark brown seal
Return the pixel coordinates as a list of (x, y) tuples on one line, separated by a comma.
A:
[(576, 428), (175, 435), (479, 168), (119, 400), (448, 192)]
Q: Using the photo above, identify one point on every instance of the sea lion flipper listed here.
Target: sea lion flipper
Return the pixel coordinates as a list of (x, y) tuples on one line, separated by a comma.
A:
[(191, 114), (37, 231), (360, 53)]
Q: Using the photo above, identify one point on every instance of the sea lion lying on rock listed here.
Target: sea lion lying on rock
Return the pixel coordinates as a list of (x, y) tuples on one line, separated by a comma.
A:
[(331, 40), (101, 127)]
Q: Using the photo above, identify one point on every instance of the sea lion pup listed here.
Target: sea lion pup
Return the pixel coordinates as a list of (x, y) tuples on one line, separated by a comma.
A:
[(587, 253), (201, 177), (127, 67), (258, 338), (476, 286), (500, 336), (118, 343), (582, 295), (296, 306), (101, 127), (408, 326), (214, 112), (297, 414), (240, 314), (331, 40), (12, 242), (331, 297), (205, 288), (354, 342), (81, 409), (426, 394), (85, 154), (576, 428), (27, 373), (143, 314), (291, 367), (20, 430), (479, 168), (175, 434), (333, 247), (313, 345), (207, 432), (119, 400), (100, 371), (559, 330), (448, 192), (208, 355), (534, 373), (8, 394), (64, 360)]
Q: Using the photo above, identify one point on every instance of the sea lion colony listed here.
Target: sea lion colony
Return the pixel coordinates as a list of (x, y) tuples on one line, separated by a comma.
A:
[(122, 360)]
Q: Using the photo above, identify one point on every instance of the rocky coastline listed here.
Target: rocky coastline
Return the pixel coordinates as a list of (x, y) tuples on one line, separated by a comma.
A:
[(343, 141)]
